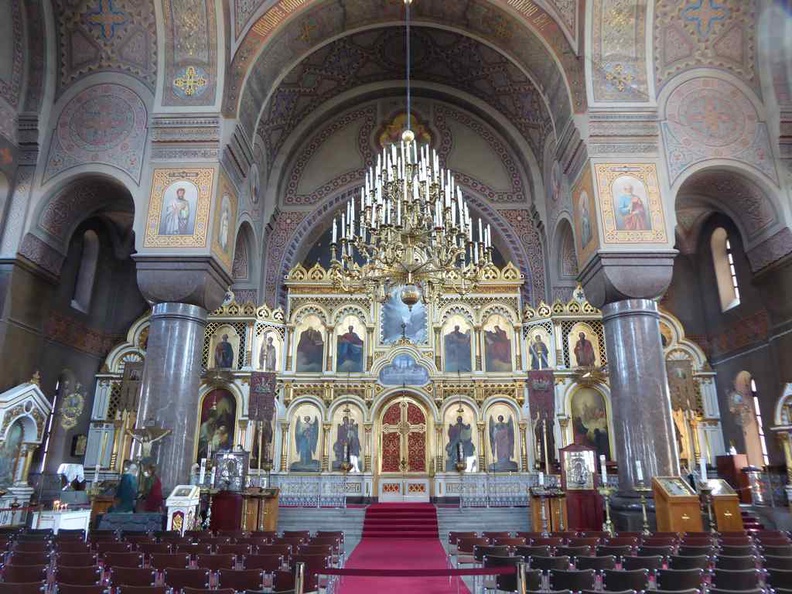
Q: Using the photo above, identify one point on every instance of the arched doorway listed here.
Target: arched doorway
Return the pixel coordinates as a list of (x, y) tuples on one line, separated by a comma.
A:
[(404, 450)]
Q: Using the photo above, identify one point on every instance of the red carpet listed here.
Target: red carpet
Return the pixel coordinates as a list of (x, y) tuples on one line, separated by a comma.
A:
[(400, 520), (400, 553)]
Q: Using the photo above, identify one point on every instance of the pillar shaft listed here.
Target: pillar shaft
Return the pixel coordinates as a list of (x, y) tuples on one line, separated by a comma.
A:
[(641, 405), (171, 379)]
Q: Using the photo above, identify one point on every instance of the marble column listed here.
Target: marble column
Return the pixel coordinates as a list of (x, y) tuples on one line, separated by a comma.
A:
[(169, 390), (640, 400)]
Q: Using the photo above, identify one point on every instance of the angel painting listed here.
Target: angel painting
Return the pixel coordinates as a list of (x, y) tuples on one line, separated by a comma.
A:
[(306, 436), (501, 435)]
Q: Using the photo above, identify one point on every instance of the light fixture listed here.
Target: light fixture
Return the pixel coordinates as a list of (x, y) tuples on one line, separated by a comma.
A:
[(410, 229)]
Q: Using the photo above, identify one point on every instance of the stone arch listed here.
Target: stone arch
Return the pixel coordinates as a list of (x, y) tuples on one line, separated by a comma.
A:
[(529, 35), (68, 205), (244, 254), (563, 260), (742, 195)]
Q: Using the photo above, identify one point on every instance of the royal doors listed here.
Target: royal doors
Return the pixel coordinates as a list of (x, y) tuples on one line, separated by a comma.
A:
[(403, 452)]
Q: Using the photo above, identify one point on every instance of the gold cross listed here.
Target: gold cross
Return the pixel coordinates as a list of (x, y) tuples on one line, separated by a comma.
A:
[(190, 82), (619, 77), (305, 31), (106, 17)]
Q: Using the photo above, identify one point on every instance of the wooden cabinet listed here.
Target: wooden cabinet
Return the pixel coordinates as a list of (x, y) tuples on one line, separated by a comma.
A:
[(579, 481), (555, 512), (260, 510), (730, 468), (725, 506), (676, 505)]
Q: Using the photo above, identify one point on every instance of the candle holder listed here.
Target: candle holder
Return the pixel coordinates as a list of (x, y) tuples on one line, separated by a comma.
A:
[(642, 490), (546, 494), (705, 494), (606, 493)]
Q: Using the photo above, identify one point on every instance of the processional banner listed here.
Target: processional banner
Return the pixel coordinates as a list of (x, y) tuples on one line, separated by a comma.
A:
[(541, 400), (262, 396)]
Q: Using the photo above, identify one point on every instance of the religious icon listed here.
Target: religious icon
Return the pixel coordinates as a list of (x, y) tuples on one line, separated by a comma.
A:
[(460, 447), (178, 215), (217, 423), (539, 352), (400, 321), (457, 346), (349, 348), (501, 436), (310, 346), (225, 222), (306, 438), (590, 421), (347, 444), (584, 216), (9, 452), (555, 178), (629, 195), (404, 371), (268, 354), (224, 354), (497, 345), (584, 351)]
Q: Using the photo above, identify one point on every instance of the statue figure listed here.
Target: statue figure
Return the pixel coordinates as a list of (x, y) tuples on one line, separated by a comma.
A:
[(146, 437)]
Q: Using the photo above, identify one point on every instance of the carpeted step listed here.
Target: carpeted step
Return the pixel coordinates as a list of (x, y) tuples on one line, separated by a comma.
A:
[(400, 520)]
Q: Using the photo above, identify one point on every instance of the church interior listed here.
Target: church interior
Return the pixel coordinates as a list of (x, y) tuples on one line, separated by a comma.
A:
[(395, 295)]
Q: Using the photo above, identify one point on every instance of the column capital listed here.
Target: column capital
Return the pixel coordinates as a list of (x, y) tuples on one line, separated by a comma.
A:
[(194, 280), (618, 276)]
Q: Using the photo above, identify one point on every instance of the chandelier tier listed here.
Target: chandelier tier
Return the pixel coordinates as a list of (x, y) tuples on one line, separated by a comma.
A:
[(410, 229)]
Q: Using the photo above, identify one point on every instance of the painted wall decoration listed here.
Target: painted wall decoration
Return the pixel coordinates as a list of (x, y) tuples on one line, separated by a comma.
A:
[(306, 433), (583, 346), (589, 415), (404, 370), (224, 348), (461, 438), (108, 36), (693, 33), (347, 432), (225, 222), (351, 346), (395, 313), (503, 439), (540, 349), (618, 51), (584, 215), (497, 334), (268, 351), (103, 124), (190, 52), (711, 118), (217, 423), (457, 344), (178, 214), (310, 336), (629, 196)]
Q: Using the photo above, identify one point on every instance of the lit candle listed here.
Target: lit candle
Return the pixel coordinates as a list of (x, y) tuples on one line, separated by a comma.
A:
[(202, 473), (639, 471), (603, 470), (541, 479)]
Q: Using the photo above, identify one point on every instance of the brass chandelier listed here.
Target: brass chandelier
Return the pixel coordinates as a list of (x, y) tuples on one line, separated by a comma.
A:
[(410, 229)]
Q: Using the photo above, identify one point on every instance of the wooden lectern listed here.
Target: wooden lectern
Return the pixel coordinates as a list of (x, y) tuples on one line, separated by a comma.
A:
[(730, 468), (725, 506), (676, 505), (579, 481), (260, 510)]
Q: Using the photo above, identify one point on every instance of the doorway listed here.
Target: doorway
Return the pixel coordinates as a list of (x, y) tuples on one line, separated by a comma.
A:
[(404, 452)]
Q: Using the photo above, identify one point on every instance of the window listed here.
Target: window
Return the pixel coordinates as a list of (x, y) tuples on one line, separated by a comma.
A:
[(762, 440), (725, 274), (83, 288)]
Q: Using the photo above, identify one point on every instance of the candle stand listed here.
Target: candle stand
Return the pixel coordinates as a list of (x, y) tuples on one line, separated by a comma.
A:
[(643, 490), (606, 493)]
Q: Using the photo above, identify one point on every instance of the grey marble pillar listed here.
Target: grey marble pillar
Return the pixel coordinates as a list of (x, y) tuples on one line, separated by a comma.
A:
[(641, 404), (171, 379)]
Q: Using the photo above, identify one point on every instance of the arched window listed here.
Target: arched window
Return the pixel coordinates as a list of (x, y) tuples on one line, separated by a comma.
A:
[(725, 275), (86, 275), (762, 440)]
